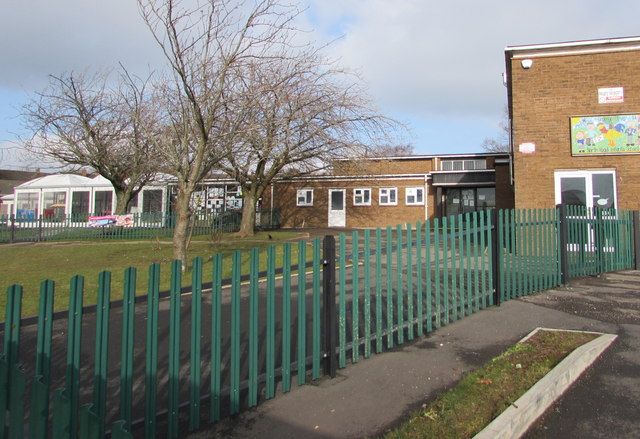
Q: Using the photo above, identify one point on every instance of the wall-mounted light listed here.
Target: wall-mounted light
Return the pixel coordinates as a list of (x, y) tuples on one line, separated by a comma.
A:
[(526, 63)]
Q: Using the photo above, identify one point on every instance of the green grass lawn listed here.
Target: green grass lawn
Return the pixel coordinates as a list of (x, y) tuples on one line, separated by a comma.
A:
[(29, 265)]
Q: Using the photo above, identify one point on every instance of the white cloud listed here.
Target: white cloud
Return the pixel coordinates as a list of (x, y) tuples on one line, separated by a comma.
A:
[(444, 60), (50, 37), (438, 63)]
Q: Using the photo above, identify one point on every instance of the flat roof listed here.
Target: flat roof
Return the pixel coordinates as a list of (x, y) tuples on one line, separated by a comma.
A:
[(428, 157), (600, 45)]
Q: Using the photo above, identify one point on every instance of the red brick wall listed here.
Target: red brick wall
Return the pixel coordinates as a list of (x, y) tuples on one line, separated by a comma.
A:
[(544, 98), (378, 167), (356, 216)]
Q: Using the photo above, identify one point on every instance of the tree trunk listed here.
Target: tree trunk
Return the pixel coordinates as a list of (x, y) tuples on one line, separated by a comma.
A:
[(122, 199), (181, 231), (247, 225)]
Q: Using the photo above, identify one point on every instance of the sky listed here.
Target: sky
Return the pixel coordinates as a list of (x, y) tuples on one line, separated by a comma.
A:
[(435, 66)]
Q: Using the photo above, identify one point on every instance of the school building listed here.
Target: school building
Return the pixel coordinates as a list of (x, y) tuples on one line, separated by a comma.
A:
[(575, 111), (377, 192)]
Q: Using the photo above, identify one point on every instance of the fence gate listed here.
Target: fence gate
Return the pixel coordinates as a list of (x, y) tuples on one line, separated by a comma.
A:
[(595, 240)]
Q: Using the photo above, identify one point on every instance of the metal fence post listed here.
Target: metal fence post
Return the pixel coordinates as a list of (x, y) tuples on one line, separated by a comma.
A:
[(12, 219), (329, 299), (496, 258), (562, 243), (600, 239), (636, 239)]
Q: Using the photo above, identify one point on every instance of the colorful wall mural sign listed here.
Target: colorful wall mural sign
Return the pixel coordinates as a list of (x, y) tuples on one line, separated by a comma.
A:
[(606, 134)]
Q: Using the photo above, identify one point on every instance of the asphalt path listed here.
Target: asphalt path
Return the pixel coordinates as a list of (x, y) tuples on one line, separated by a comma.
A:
[(605, 402), (59, 343)]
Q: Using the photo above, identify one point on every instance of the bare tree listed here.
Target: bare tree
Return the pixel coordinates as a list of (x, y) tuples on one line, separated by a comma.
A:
[(295, 115), (206, 43), (500, 143), (81, 120), (392, 150)]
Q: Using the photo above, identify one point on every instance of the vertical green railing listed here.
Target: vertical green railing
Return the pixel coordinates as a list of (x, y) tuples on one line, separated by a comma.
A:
[(355, 295), (11, 385), (302, 312), (253, 328), (367, 293), (195, 351), (286, 318), (393, 284), (216, 339), (126, 362), (151, 352), (39, 419)]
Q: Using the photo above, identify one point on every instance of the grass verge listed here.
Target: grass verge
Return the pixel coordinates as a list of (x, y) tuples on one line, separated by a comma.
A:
[(30, 265), (482, 395)]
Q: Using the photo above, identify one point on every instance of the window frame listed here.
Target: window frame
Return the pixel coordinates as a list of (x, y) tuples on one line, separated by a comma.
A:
[(464, 165), (415, 189), (387, 193), (363, 190), (152, 200), (308, 200)]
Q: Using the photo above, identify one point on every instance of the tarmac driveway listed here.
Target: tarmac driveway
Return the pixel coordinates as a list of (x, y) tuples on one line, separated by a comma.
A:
[(371, 397), (605, 402)]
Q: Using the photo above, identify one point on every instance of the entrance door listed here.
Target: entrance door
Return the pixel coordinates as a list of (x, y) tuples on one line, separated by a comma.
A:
[(337, 211), (586, 188), (464, 200)]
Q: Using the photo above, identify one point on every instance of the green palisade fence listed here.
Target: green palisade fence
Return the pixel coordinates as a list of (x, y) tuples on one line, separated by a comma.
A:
[(142, 226), (218, 346)]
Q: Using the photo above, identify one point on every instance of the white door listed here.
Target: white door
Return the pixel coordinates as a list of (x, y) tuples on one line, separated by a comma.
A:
[(586, 188), (337, 210)]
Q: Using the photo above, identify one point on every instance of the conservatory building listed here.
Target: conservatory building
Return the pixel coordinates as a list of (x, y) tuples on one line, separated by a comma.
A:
[(60, 195)]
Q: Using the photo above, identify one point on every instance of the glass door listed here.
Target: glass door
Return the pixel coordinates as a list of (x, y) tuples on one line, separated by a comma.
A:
[(586, 188)]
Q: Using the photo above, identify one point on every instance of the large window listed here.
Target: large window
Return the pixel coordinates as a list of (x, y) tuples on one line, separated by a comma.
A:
[(362, 197), (414, 196), (466, 200), (152, 200), (304, 197), (486, 198), (54, 204), (388, 196), (102, 203), (463, 165), (27, 205), (80, 202)]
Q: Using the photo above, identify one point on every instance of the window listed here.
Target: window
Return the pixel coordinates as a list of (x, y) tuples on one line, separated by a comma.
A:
[(80, 202), (304, 197), (102, 201), (388, 196), (486, 198), (27, 205), (362, 197), (463, 165), (152, 200), (414, 196), (54, 204)]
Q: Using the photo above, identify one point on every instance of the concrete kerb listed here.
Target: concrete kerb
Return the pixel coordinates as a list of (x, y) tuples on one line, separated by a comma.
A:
[(519, 417)]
